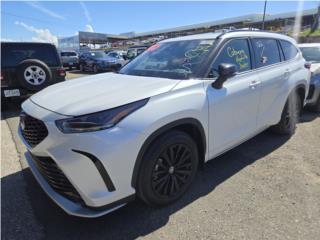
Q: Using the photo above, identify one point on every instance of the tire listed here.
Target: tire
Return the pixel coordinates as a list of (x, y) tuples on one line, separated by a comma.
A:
[(81, 68), (33, 74), (161, 183), (290, 116), (95, 69)]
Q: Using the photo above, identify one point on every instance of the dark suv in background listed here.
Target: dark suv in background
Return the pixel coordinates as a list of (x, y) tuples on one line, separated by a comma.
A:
[(28, 67)]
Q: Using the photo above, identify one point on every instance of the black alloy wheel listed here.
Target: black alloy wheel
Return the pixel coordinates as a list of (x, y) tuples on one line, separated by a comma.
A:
[(172, 170), (168, 168)]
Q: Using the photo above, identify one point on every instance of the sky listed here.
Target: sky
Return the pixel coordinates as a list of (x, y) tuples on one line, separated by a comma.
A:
[(48, 20)]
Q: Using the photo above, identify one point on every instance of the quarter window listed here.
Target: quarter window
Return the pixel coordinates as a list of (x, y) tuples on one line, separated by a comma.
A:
[(288, 49), (235, 52), (266, 51)]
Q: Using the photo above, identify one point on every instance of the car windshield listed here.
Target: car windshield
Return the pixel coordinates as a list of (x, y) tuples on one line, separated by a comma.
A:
[(177, 59), (68, 54), (98, 54), (311, 54)]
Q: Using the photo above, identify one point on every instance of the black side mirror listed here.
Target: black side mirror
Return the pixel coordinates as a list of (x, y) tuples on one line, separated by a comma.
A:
[(226, 70)]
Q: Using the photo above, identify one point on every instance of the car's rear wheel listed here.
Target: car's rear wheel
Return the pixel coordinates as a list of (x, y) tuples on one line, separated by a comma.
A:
[(290, 116), (168, 169)]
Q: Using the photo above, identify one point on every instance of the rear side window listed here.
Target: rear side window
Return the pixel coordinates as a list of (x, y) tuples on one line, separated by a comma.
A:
[(13, 54), (266, 51), (289, 50), (235, 52)]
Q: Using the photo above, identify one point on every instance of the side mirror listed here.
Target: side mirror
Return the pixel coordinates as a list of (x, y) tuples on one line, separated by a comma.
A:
[(226, 70)]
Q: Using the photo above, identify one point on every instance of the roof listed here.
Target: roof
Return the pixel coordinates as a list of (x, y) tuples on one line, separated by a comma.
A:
[(231, 34), (194, 37), (29, 43)]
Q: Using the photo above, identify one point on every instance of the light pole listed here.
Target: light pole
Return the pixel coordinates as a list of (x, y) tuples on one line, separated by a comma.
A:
[(264, 13)]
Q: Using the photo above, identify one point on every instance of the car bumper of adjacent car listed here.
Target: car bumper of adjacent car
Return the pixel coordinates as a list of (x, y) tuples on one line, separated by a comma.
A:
[(109, 66), (314, 91), (83, 163), (14, 92), (70, 64)]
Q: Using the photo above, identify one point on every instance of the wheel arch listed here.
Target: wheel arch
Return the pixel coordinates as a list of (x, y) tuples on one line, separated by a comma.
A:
[(190, 126)]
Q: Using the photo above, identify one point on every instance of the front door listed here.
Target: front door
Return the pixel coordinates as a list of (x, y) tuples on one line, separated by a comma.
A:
[(233, 109)]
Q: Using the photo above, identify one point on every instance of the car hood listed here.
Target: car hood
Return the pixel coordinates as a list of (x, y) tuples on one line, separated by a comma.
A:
[(99, 92)]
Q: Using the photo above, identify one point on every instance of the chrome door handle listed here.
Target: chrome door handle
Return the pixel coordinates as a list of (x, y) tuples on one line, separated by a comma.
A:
[(286, 73), (254, 84)]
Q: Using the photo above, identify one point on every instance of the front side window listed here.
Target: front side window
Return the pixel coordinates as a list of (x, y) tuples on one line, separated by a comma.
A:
[(176, 59), (234, 52), (266, 51), (288, 49), (311, 54)]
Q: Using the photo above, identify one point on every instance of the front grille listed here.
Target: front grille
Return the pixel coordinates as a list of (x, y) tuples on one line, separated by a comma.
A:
[(32, 129), (311, 91), (56, 178)]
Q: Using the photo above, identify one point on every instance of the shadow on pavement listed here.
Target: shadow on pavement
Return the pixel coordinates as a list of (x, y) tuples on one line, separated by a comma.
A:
[(136, 219), (11, 108), (308, 116)]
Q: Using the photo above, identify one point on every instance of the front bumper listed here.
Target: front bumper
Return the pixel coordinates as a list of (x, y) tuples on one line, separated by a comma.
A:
[(116, 149), (109, 66)]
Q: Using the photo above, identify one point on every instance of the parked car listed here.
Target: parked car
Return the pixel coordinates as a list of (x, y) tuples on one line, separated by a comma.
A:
[(70, 59), (135, 51), (28, 67), (311, 52), (145, 131), (120, 54), (98, 61)]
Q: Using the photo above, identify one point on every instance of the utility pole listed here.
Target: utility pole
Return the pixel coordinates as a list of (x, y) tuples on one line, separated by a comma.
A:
[(264, 13)]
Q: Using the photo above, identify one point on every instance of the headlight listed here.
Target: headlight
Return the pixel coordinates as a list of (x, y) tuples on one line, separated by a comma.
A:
[(100, 120)]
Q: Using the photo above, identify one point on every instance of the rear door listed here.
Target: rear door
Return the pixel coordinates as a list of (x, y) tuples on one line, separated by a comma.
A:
[(273, 73)]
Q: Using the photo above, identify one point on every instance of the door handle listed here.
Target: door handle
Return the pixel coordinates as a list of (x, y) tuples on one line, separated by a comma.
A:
[(254, 84), (286, 73)]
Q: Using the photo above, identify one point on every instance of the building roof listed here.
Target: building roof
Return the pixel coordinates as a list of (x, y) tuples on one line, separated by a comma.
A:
[(253, 18)]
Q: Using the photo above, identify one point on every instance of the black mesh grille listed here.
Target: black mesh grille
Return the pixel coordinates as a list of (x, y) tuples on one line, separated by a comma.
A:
[(311, 91), (56, 178), (33, 130)]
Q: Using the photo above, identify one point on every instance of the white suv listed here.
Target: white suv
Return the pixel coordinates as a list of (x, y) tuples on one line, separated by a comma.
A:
[(97, 142)]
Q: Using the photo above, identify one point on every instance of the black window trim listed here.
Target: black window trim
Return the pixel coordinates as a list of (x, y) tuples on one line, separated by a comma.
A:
[(274, 64), (220, 48), (298, 50)]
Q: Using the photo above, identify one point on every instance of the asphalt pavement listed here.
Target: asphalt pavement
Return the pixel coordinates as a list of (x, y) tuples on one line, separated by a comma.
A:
[(267, 188)]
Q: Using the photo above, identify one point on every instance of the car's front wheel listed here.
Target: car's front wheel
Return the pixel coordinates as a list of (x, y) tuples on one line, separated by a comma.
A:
[(95, 69), (316, 106), (168, 168), (81, 68)]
